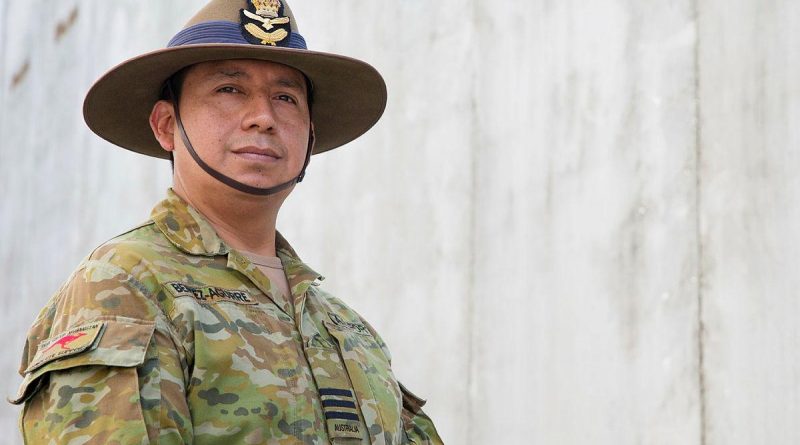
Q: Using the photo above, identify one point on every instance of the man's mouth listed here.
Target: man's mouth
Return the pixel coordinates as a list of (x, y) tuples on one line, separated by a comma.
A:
[(258, 153)]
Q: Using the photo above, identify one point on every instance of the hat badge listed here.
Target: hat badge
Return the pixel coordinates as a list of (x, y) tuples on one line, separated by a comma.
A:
[(263, 22)]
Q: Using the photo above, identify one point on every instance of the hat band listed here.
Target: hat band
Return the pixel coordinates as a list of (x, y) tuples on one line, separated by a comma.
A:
[(219, 31)]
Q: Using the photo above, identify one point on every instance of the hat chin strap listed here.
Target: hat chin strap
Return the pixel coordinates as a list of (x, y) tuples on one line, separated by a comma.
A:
[(227, 180)]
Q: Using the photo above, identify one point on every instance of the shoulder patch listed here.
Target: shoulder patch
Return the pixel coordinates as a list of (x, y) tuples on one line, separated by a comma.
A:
[(71, 342), (209, 294)]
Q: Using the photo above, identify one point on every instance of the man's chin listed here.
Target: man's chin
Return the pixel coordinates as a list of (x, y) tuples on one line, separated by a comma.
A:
[(260, 182)]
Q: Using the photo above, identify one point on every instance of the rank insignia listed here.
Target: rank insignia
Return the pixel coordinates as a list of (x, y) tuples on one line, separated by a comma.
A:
[(264, 23), (341, 413)]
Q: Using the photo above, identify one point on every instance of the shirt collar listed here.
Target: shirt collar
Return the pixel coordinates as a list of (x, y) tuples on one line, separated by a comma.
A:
[(297, 272), (189, 231), (186, 228)]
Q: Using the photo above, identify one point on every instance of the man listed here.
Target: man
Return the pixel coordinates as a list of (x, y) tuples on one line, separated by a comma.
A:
[(202, 325)]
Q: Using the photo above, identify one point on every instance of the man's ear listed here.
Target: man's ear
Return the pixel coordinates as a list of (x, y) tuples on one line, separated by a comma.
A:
[(162, 122)]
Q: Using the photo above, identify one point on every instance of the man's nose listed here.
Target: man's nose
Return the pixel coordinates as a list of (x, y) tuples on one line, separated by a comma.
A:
[(260, 114)]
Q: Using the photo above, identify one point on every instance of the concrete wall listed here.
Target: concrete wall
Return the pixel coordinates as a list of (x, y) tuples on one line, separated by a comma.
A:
[(573, 225)]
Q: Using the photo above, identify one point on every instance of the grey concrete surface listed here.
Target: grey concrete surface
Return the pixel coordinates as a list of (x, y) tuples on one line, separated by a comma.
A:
[(585, 224), (573, 224), (750, 109)]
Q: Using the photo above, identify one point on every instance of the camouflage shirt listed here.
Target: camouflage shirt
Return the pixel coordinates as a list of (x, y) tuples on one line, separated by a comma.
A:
[(165, 335)]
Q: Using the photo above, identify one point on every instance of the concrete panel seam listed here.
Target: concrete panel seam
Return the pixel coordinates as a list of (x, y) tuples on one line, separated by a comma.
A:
[(699, 229), (474, 148)]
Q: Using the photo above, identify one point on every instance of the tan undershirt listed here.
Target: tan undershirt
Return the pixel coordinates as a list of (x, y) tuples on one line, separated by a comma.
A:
[(272, 267)]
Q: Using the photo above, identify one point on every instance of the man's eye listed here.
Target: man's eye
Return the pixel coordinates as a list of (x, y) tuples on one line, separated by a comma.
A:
[(228, 90), (286, 98)]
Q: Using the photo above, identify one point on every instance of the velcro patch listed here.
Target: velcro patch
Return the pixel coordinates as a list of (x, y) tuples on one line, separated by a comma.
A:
[(71, 342), (341, 413), (209, 294)]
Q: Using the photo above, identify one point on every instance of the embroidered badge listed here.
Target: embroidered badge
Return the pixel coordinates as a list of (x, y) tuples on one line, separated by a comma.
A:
[(74, 341), (342, 323), (263, 22), (209, 294), (341, 412)]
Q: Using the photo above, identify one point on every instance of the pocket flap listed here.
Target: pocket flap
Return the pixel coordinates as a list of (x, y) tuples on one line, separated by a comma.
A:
[(117, 342)]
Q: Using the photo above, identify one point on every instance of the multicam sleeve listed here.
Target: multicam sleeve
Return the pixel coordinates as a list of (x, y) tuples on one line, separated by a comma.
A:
[(419, 427), (102, 366)]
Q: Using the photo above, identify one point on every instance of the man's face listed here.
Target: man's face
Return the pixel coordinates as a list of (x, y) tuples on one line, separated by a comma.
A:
[(247, 119)]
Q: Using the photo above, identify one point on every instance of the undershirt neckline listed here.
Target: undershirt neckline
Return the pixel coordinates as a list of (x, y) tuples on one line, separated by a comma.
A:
[(271, 262)]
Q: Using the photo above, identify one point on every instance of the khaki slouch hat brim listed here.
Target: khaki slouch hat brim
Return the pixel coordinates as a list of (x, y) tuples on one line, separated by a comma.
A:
[(349, 95)]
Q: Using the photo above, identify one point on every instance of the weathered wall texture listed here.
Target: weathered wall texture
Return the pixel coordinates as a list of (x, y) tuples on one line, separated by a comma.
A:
[(573, 225)]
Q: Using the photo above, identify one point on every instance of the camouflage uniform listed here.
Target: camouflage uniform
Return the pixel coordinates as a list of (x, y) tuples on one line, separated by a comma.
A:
[(165, 335)]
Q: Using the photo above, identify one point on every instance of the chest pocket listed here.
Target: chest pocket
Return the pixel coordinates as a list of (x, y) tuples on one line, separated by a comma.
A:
[(375, 386)]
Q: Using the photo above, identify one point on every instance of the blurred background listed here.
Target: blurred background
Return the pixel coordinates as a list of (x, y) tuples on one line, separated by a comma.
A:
[(573, 225)]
